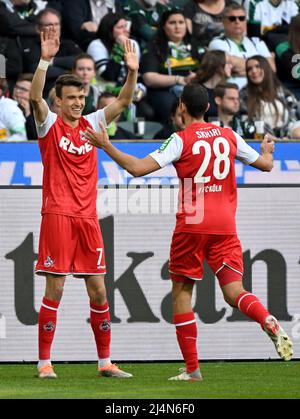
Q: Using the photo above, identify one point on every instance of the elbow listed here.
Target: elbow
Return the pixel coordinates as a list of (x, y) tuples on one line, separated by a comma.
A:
[(268, 168), (135, 172), (35, 100)]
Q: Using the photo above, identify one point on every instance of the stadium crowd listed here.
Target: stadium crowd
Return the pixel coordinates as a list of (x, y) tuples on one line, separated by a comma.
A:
[(245, 53)]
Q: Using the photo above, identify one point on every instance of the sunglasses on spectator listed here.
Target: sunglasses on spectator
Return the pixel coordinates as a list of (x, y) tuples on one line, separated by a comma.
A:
[(235, 18)]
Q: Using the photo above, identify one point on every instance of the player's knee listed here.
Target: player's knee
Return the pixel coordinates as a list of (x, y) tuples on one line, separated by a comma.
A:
[(55, 292), (98, 295)]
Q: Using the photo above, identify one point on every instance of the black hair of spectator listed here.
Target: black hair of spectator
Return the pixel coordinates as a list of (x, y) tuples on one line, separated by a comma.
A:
[(221, 88), (195, 98), (211, 63), (232, 7), (83, 56), (25, 77), (105, 95), (45, 12), (294, 34), (105, 29), (161, 40), (174, 107), (67, 80)]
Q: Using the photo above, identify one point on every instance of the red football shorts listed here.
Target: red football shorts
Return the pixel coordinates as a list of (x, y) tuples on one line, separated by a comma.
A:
[(223, 254), (70, 245)]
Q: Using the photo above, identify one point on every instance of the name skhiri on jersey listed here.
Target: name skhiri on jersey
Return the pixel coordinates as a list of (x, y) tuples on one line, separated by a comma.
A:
[(67, 145)]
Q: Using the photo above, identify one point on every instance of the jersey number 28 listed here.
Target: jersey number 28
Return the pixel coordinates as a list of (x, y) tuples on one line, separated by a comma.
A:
[(220, 157)]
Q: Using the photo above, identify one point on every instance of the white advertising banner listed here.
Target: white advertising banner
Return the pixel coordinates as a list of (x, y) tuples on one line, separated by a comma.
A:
[(137, 226)]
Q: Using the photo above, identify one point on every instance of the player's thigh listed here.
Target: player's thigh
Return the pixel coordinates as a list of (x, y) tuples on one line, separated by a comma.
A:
[(187, 255), (90, 256), (57, 244), (225, 258)]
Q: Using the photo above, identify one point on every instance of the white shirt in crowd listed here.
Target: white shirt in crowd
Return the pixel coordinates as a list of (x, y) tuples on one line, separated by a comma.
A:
[(246, 49), (12, 121), (270, 15)]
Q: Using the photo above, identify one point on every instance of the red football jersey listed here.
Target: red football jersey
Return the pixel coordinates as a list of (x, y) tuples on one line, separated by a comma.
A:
[(70, 166), (203, 156)]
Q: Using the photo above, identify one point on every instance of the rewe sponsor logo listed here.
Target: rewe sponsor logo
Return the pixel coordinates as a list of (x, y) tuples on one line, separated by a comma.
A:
[(68, 146)]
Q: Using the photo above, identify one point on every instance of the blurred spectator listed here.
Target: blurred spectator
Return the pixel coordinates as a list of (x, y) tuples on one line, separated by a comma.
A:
[(114, 131), (266, 99), (215, 67), (81, 18), (174, 124), (108, 49), (85, 68), (271, 19), (169, 63), (145, 16), (204, 19), (237, 44), (12, 120), (288, 58), (52, 102), (108, 53), (228, 106), (21, 95), (63, 61), (9, 48), (17, 17)]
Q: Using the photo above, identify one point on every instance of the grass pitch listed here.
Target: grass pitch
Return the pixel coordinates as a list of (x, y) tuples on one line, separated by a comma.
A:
[(221, 380)]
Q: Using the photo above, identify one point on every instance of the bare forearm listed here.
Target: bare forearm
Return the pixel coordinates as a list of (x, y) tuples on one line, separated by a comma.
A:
[(38, 84), (127, 162), (127, 91), (156, 80)]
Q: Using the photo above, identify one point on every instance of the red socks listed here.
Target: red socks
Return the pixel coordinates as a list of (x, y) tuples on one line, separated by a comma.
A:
[(250, 305), (47, 326), (186, 331), (100, 322)]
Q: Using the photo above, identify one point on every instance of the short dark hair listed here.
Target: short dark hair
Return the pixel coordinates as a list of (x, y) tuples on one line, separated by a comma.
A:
[(25, 77), (105, 95), (83, 56), (232, 6), (45, 12), (67, 80), (220, 89), (195, 98)]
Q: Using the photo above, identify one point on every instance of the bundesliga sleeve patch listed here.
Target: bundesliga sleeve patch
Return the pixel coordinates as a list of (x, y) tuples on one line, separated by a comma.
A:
[(166, 143)]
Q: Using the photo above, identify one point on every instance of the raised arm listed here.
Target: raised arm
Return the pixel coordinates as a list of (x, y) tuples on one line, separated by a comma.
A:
[(265, 160), (135, 166), (126, 94), (49, 48)]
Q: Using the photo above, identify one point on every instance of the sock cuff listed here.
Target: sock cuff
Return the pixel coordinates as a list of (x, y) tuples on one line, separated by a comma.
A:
[(244, 295), (99, 309), (50, 304), (183, 319)]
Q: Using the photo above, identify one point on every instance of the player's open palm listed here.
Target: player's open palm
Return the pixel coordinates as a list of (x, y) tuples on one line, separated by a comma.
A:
[(130, 56), (49, 43), (97, 139)]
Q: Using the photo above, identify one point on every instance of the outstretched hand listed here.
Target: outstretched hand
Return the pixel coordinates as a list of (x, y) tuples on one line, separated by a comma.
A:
[(97, 139), (130, 56), (49, 43)]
